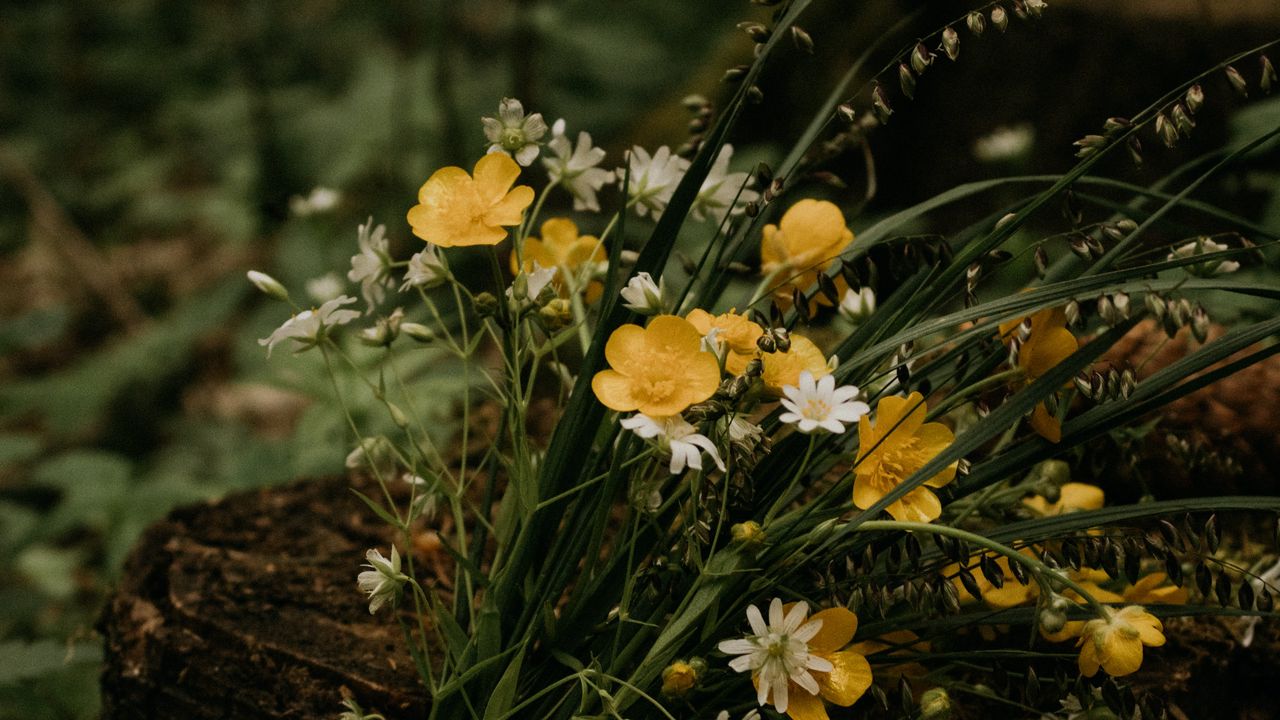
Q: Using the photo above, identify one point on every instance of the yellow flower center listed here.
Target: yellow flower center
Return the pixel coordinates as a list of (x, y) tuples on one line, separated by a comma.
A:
[(895, 463), (817, 409), (654, 389)]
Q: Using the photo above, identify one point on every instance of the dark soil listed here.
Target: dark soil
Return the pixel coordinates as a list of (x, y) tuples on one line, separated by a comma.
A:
[(248, 608)]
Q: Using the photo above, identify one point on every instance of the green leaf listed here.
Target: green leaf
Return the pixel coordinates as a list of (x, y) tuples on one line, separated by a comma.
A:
[(504, 693)]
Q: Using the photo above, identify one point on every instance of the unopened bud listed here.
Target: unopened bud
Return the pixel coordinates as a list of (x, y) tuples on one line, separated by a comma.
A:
[(1182, 120), (1200, 323), (678, 679), (1195, 98), (1134, 146), (734, 74), (846, 112), (1072, 311), (951, 43), (880, 104), (782, 339), (1127, 225), (921, 58), (766, 343), (754, 30), (1120, 301), (802, 40), (694, 102), (999, 18), (1268, 79), (1237, 81), (1107, 311), (1052, 620), (557, 313), (977, 22), (1155, 305), (1008, 218), (268, 285), (1166, 130), (375, 336), (486, 304), (907, 80), (417, 331), (397, 415), (935, 704), (1114, 125), (748, 533), (755, 96), (1089, 144)]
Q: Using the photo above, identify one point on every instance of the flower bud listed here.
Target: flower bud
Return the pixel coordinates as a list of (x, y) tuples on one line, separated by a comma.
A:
[(1195, 98), (1200, 323), (1072, 311), (999, 18), (397, 415), (1008, 218), (268, 285), (846, 112), (1182, 120), (1052, 620), (754, 30), (782, 339), (1114, 125), (418, 332), (935, 704), (1155, 305), (376, 336), (1166, 130), (1056, 473), (557, 313), (486, 304), (748, 533), (801, 39), (977, 22), (921, 58), (678, 679), (1120, 301), (951, 43), (1237, 81), (766, 344), (880, 104), (907, 80), (1268, 79)]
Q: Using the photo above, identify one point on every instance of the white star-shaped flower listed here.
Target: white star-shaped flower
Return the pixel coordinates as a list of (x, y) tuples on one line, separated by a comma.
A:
[(720, 189), (653, 179), (383, 580), (778, 652), (514, 134), (426, 270), (820, 404), (309, 327), (575, 167), (672, 434), (372, 266)]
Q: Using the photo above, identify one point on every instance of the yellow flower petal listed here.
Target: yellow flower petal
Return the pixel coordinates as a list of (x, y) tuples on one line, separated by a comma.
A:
[(510, 209), (1118, 655), (1088, 661), (838, 626), (847, 681), (494, 175), (613, 389), (1045, 424), (919, 505), (626, 348), (784, 368)]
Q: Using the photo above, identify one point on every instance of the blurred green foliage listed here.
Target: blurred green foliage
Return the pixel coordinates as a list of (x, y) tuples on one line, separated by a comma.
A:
[(171, 137)]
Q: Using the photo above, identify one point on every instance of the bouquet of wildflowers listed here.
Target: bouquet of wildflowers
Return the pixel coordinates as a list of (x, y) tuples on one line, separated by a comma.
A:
[(800, 462)]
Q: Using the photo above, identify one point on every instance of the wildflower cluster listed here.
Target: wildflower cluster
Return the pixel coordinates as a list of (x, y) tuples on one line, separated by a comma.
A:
[(762, 410)]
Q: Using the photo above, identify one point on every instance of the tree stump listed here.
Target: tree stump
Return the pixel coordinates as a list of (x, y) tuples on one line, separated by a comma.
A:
[(248, 608)]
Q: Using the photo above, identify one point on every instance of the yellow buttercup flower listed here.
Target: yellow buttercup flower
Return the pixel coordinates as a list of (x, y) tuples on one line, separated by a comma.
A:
[(784, 368), (562, 248), (737, 333), (1049, 343), (1115, 643), (1154, 590), (899, 444), (457, 209), (1074, 497), (808, 239), (659, 370)]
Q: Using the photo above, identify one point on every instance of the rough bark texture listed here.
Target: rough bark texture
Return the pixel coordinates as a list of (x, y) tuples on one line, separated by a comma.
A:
[(247, 608)]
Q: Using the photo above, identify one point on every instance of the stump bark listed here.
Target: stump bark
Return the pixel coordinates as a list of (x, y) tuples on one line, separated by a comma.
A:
[(248, 608)]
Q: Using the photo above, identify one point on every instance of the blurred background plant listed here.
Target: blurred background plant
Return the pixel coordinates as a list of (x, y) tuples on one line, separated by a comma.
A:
[(150, 152)]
